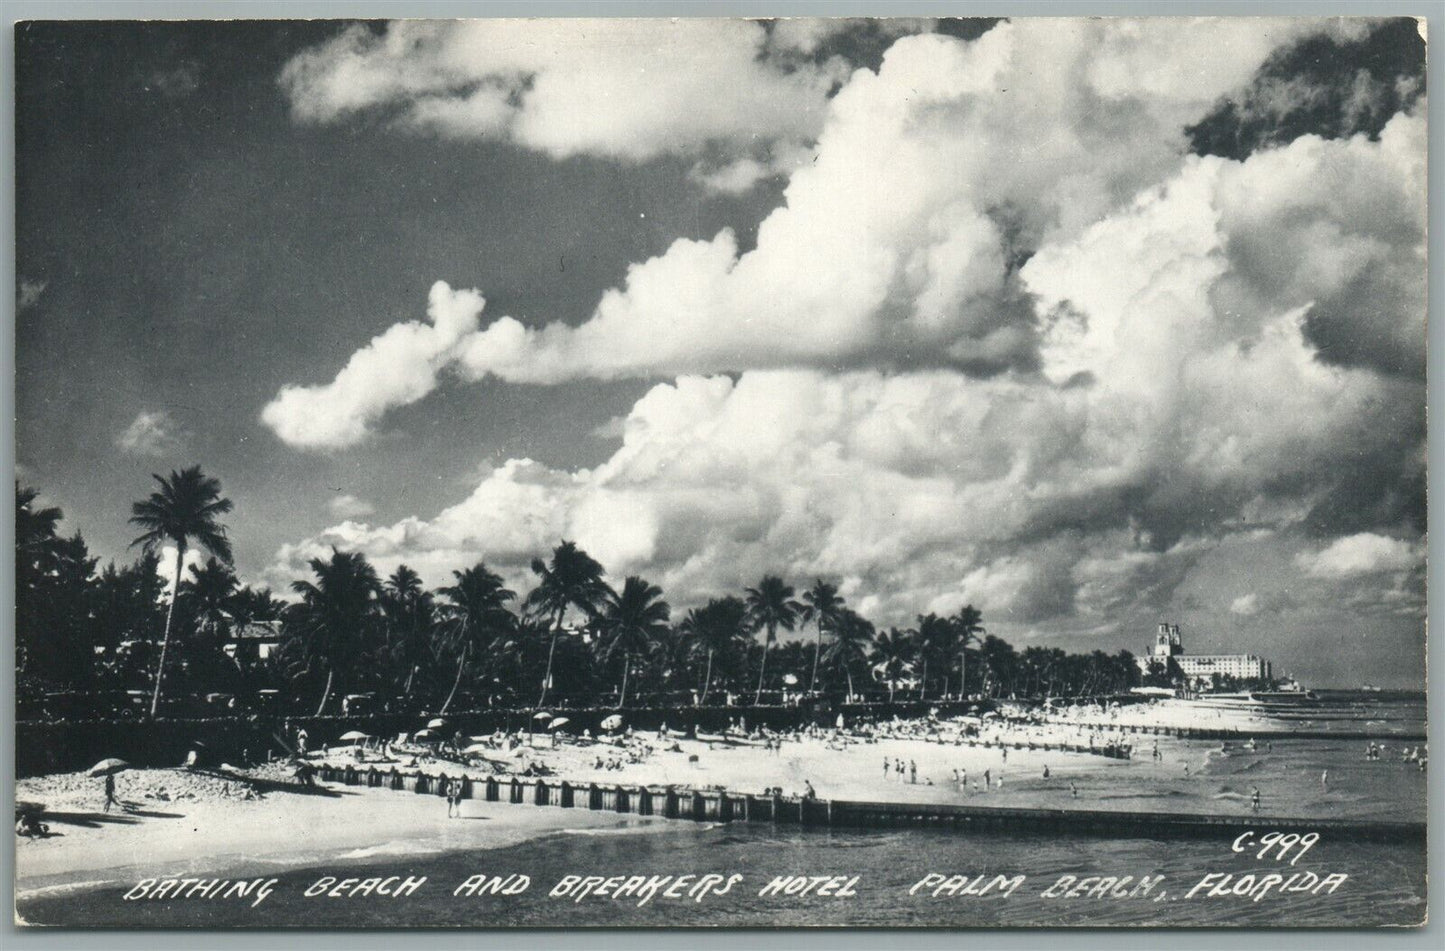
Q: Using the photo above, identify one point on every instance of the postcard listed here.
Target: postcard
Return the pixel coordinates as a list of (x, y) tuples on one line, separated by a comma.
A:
[(721, 472)]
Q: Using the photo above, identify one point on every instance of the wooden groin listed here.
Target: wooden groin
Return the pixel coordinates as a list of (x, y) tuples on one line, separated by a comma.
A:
[(1219, 733), (720, 805)]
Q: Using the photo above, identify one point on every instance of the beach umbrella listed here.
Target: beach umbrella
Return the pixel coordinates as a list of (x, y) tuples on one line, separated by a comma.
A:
[(560, 721), (790, 679), (612, 722), (435, 724), (109, 767), (422, 734), (541, 715), (355, 735)]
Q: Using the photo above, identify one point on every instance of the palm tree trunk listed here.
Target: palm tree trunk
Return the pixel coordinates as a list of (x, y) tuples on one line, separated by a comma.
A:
[(461, 665), (551, 649), (407, 691), (166, 637), (849, 672), (758, 700), (923, 681), (326, 694), (817, 649), (707, 681), (963, 673), (626, 666)]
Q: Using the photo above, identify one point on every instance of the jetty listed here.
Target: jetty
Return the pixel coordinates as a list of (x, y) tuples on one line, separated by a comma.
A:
[(721, 805)]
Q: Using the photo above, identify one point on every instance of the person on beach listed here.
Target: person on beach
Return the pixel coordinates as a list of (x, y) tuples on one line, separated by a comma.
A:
[(1254, 798), (301, 738), (1325, 781), (1074, 789), (885, 767), (987, 778), (913, 772), (1046, 771), (110, 799), (808, 791)]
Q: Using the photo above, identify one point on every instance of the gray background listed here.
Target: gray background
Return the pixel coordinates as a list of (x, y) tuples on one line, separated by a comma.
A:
[(1430, 936)]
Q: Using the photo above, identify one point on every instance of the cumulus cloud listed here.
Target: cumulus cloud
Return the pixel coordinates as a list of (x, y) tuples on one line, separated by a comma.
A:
[(624, 89), (900, 244), (349, 506), (151, 433), (1003, 343), (398, 367), (166, 566), (1364, 554)]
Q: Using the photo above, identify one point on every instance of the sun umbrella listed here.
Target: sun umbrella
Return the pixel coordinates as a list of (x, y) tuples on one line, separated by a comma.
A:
[(422, 734), (355, 735), (612, 722), (109, 767), (541, 715), (560, 721), (435, 724), (790, 679)]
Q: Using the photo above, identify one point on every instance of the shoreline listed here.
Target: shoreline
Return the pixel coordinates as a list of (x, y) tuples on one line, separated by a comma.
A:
[(279, 832), (182, 820)]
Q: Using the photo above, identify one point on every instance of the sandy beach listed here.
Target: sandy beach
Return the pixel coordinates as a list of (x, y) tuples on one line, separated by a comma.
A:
[(177, 819), (205, 827)]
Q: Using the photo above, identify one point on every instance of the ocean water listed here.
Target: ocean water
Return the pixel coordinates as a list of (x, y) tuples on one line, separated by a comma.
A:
[(881, 874)]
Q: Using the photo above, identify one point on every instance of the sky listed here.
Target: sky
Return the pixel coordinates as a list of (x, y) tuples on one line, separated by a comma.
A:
[(1089, 323)]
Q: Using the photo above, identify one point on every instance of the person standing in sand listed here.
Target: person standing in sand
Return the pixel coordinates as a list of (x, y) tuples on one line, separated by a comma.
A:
[(110, 799), (1325, 781), (1254, 798)]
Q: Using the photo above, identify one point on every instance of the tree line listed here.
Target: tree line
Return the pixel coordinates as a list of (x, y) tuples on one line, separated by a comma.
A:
[(573, 638)]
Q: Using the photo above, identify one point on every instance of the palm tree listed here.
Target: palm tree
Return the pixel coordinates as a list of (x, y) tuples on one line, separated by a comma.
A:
[(935, 638), (409, 610), (852, 636), (891, 650), (822, 606), (184, 510), (477, 615), (210, 590), (716, 628), (771, 606), (36, 542), (631, 622), (968, 626), (572, 580), (337, 614)]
